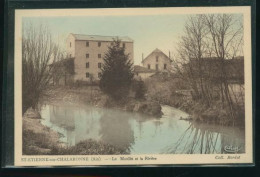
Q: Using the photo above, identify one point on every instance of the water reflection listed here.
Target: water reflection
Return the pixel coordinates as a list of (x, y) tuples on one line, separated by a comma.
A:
[(116, 129), (208, 139), (139, 134)]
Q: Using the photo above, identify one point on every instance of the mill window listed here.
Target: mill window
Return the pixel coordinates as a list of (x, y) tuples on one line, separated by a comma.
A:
[(149, 66), (87, 55), (87, 44), (99, 65), (99, 44), (99, 55), (87, 75), (165, 66), (87, 65), (123, 45), (157, 58)]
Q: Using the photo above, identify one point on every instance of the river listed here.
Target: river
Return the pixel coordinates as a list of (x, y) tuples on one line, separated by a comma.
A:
[(139, 134)]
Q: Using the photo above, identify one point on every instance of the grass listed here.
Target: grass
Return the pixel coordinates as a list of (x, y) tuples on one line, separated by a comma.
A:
[(89, 147), (74, 95)]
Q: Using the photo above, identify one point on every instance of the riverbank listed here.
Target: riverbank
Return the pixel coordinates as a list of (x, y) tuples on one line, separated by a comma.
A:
[(200, 112), (164, 89), (41, 140)]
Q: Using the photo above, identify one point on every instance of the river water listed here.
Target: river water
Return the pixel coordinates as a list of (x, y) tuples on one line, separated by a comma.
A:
[(139, 134)]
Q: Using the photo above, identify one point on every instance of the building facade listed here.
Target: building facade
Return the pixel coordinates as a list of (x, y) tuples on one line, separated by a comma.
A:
[(142, 73), (157, 60), (88, 52)]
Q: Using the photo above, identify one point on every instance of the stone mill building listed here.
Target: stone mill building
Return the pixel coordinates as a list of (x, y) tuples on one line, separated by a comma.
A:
[(88, 51)]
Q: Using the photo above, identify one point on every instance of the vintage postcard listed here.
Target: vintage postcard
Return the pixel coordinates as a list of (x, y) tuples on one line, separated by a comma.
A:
[(133, 86)]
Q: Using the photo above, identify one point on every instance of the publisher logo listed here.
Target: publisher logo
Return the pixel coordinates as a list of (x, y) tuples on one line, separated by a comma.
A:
[(231, 149)]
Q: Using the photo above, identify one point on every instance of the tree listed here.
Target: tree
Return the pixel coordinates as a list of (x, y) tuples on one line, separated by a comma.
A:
[(38, 52), (117, 71), (204, 56), (192, 49), (140, 89), (226, 33)]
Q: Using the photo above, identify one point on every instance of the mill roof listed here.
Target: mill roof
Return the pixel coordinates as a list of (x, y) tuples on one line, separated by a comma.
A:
[(85, 37), (157, 51)]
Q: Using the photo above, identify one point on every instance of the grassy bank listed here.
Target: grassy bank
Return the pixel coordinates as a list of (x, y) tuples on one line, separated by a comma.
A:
[(41, 140), (92, 95), (164, 89)]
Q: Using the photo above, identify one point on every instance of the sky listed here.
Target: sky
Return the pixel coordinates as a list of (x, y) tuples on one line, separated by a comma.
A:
[(148, 32)]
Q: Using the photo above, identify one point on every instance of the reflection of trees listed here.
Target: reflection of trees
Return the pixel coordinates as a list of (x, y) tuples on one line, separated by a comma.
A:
[(116, 130), (157, 128), (140, 127), (206, 139)]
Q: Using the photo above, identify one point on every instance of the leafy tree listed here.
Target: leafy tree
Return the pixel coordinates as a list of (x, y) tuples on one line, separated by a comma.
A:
[(140, 89), (117, 71)]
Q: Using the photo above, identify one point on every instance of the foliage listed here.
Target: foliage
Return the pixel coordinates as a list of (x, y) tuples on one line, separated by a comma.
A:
[(140, 89), (117, 71)]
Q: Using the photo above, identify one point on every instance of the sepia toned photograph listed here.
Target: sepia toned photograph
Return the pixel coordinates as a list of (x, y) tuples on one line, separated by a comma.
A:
[(133, 86)]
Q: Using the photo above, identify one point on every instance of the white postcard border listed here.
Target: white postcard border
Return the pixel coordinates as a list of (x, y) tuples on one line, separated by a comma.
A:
[(174, 159)]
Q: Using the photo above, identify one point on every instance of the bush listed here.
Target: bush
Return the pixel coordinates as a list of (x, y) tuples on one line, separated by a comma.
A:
[(140, 89)]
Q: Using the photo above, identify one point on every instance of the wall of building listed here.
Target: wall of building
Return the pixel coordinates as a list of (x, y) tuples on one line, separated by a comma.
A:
[(144, 76), (93, 50), (162, 59), (70, 45)]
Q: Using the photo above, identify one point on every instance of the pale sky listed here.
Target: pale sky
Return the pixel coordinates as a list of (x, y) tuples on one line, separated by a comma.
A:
[(148, 32)]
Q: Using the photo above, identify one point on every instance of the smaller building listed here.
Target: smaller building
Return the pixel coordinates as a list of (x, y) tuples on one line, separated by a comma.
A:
[(62, 72), (142, 73), (158, 61), (213, 69)]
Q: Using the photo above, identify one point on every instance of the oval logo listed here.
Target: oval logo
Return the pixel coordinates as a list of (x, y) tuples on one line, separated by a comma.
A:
[(231, 149)]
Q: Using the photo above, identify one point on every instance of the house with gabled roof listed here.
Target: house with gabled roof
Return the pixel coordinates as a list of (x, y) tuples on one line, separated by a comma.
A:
[(157, 60)]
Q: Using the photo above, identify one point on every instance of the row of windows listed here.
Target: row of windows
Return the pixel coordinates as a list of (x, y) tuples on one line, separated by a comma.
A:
[(99, 65), (87, 55), (87, 44), (99, 44), (157, 66), (88, 75)]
